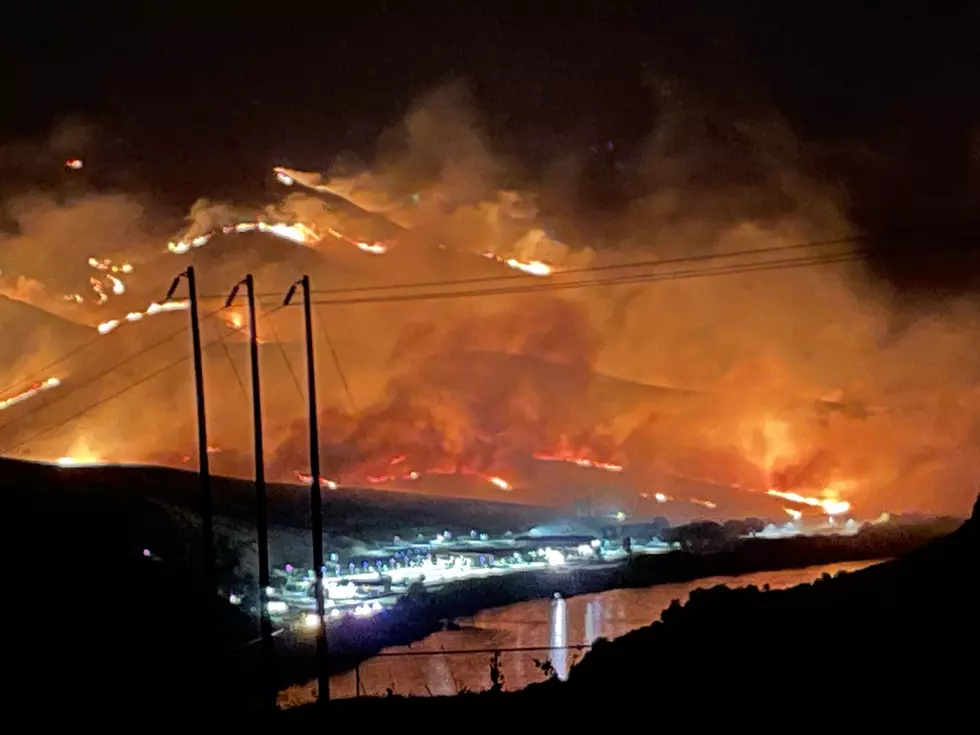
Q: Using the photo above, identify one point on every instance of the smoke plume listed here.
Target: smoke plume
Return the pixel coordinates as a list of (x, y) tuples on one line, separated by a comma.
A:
[(817, 380)]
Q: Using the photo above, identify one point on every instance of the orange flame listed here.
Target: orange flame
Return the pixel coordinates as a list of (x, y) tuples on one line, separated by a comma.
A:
[(830, 506), (29, 393)]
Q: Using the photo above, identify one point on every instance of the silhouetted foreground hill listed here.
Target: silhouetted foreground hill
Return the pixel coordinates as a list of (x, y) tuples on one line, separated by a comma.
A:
[(898, 636)]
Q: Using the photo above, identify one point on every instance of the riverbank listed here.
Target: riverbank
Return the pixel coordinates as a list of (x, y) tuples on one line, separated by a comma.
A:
[(422, 612), (878, 639)]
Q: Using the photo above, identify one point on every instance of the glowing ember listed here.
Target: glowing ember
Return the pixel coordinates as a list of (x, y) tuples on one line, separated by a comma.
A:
[(29, 393), (118, 287), (75, 164), (283, 178), (830, 506), (373, 248), (99, 286)]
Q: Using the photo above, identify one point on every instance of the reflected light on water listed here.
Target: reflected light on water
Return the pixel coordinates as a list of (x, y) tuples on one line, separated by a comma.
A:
[(546, 623), (559, 637)]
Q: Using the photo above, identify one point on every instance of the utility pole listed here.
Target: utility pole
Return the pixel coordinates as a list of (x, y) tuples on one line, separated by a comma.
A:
[(316, 500), (210, 588), (261, 500)]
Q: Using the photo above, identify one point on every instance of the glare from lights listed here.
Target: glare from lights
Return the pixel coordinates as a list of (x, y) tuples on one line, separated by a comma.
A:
[(554, 557), (277, 607)]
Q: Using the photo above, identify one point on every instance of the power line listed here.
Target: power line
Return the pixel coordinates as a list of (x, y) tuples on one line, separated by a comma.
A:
[(730, 269), (101, 338), (115, 395), (78, 386), (595, 283), (231, 362), (282, 351), (95, 405), (848, 240), (336, 361)]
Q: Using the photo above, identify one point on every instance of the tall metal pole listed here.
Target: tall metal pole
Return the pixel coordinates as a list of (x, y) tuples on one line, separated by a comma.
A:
[(316, 501), (212, 622), (204, 462), (261, 500)]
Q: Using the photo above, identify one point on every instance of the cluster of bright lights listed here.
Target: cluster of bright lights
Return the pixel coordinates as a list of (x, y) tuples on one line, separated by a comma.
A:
[(554, 557)]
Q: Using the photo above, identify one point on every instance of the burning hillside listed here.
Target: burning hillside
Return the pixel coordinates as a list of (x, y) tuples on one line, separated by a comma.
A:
[(458, 336)]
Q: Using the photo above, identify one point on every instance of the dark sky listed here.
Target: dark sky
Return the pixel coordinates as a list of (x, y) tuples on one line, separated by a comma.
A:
[(200, 99)]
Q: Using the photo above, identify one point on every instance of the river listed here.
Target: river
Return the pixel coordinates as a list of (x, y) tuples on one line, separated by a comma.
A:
[(425, 668)]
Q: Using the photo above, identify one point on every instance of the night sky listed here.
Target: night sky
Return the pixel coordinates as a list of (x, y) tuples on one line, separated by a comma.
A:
[(198, 102)]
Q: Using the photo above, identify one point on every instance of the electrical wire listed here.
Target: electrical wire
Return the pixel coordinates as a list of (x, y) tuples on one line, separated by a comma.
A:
[(731, 269), (282, 351), (62, 395), (776, 249), (596, 283), (231, 361), (107, 399), (336, 360)]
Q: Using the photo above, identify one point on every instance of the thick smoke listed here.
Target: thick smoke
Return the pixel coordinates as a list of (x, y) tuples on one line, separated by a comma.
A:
[(807, 380), (800, 379)]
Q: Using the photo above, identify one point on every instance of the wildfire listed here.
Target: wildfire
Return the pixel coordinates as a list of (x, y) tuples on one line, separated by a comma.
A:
[(80, 456), (531, 267), (830, 506), (580, 461), (373, 248), (135, 316), (499, 482), (29, 393), (298, 233), (324, 482), (110, 279), (704, 503), (234, 319), (793, 513)]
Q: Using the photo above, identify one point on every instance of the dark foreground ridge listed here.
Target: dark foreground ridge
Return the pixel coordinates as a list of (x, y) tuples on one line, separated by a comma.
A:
[(891, 639), (103, 633)]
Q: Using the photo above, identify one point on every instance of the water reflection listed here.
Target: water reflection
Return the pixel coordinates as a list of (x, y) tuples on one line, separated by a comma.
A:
[(456, 662), (558, 655)]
